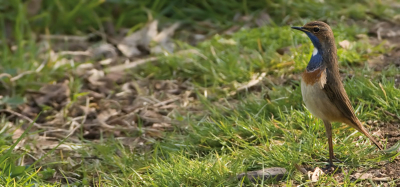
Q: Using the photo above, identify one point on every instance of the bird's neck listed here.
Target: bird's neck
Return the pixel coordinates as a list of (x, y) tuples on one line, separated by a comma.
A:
[(330, 58), (316, 60), (324, 55)]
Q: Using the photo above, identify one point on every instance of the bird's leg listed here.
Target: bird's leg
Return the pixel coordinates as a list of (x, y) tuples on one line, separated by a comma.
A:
[(328, 128)]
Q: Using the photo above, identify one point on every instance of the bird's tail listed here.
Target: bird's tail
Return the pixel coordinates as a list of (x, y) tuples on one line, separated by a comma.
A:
[(361, 128)]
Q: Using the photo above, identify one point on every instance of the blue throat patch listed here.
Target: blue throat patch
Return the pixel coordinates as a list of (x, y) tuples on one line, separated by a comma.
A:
[(316, 60)]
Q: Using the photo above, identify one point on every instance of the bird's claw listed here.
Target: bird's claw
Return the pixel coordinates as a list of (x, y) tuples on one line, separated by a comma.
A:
[(337, 160), (329, 168)]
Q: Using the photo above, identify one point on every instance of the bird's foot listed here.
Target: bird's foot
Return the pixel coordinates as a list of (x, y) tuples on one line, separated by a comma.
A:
[(337, 160), (330, 168)]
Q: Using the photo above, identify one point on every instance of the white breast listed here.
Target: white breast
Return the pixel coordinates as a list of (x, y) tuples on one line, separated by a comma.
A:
[(318, 103)]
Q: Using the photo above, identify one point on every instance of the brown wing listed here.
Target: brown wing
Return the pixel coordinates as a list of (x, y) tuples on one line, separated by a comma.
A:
[(337, 95)]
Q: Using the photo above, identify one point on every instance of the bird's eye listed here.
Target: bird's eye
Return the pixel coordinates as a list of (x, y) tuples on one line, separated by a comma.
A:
[(316, 29)]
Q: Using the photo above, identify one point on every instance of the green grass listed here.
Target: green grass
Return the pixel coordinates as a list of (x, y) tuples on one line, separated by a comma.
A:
[(258, 132), (261, 134), (217, 66), (12, 173), (88, 15), (268, 127)]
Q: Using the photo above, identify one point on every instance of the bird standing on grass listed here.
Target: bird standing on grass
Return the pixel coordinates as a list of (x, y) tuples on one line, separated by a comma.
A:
[(321, 87)]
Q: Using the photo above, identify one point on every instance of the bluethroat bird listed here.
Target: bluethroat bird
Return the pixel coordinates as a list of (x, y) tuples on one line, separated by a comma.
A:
[(322, 90)]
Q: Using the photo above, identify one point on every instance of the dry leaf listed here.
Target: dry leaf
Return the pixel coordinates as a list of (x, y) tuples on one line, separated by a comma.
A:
[(17, 133), (56, 95), (345, 44), (385, 30), (263, 19), (300, 168), (94, 76), (363, 176), (33, 7), (106, 114), (141, 42), (317, 173), (267, 173), (103, 50)]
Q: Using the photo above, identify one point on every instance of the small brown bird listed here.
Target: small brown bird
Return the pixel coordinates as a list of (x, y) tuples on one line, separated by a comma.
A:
[(321, 87)]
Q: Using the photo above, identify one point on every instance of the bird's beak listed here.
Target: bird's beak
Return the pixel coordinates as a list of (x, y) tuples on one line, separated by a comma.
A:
[(300, 29)]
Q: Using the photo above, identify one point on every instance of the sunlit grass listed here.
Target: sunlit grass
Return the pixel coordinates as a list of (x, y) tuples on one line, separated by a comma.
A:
[(280, 136), (230, 61)]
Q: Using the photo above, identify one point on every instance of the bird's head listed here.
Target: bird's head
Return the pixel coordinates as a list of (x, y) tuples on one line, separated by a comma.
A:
[(321, 36), (319, 33)]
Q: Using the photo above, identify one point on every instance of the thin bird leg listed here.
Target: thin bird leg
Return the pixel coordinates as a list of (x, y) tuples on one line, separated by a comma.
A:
[(328, 128)]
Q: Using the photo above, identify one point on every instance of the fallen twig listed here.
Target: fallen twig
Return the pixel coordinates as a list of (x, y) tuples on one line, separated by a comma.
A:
[(13, 79), (23, 117), (301, 169), (75, 53), (391, 114), (63, 37), (162, 103), (130, 65), (253, 82), (5, 75), (136, 63)]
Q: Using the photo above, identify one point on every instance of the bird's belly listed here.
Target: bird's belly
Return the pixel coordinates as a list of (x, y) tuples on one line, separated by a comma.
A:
[(318, 103)]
